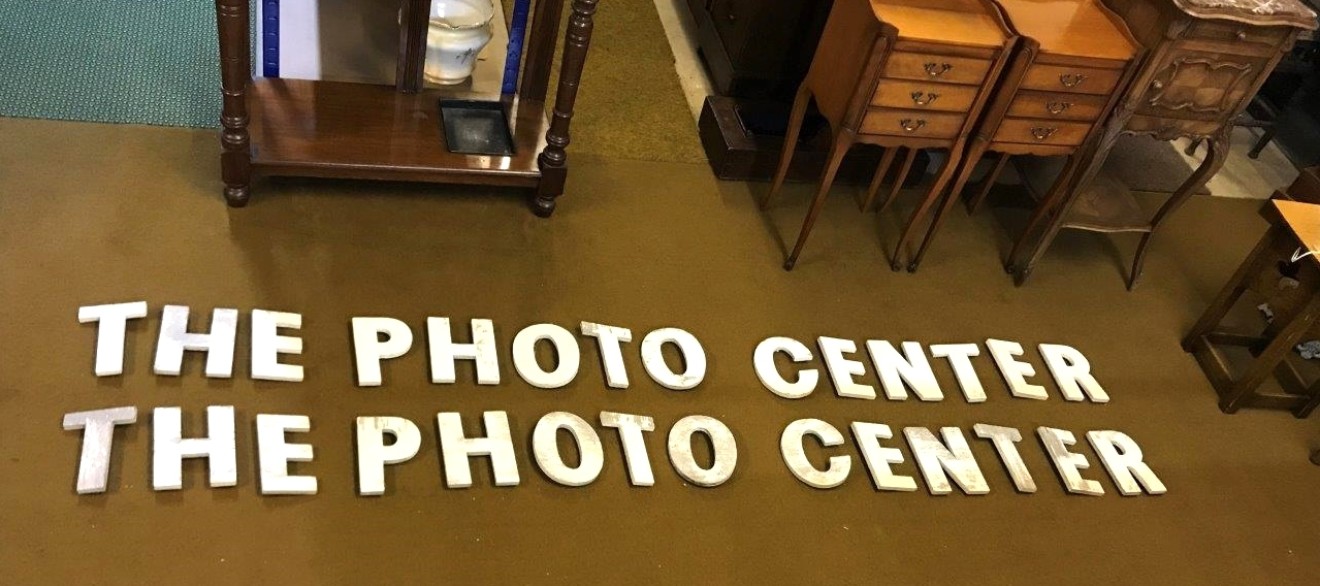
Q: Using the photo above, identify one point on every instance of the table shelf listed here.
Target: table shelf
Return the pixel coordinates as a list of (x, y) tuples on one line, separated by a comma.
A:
[(1105, 205), (352, 130)]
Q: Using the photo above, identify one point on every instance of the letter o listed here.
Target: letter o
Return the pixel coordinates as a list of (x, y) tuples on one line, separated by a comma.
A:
[(566, 351), (721, 440), (694, 359), (545, 446)]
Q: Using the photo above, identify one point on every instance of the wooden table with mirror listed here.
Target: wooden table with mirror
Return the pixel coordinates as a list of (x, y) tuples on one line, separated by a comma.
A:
[(1205, 60), (901, 74)]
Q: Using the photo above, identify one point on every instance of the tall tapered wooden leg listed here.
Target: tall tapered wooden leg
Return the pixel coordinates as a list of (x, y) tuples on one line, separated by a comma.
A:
[(968, 165), (1216, 153), (950, 198), (987, 184), (553, 160), (235, 72), (838, 149), (886, 161), (908, 157), (795, 118), (1052, 209)]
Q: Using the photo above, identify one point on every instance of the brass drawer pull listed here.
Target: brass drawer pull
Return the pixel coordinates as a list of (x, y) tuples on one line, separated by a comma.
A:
[(1042, 133), (1071, 79), (910, 125), (1241, 35), (937, 69), (1057, 108), (929, 98)]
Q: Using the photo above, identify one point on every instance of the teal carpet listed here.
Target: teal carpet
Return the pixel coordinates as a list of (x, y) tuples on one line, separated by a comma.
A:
[(126, 61)]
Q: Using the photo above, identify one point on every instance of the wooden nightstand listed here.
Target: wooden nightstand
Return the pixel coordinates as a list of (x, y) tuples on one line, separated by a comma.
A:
[(1205, 61), (1073, 63), (911, 74)]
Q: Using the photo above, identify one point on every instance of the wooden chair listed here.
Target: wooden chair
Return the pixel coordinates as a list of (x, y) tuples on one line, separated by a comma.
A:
[(898, 77)]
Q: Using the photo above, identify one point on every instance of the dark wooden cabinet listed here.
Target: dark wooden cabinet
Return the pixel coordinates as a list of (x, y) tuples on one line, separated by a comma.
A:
[(758, 49)]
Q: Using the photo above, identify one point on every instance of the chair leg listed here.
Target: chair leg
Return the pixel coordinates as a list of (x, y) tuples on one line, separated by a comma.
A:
[(886, 161), (903, 170), (1263, 141), (1191, 148), (838, 149), (984, 190), (933, 195), (790, 141)]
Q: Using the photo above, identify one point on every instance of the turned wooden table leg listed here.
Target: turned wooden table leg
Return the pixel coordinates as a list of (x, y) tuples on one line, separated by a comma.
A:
[(235, 72), (553, 161)]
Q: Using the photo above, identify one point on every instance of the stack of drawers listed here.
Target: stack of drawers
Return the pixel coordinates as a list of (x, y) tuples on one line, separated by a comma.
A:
[(900, 74), (1070, 67), (925, 95), (1057, 105)]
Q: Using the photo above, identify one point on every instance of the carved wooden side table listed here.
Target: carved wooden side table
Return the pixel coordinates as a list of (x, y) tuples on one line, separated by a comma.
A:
[(899, 74), (1071, 66), (347, 130), (1295, 230), (1206, 59)]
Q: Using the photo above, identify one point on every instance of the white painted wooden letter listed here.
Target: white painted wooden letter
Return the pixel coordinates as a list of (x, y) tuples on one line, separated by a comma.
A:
[(763, 360), (169, 448), (98, 443), (373, 454), (218, 344), (1014, 371), (608, 339), (369, 349), (794, 453), (878, 458), (844, 370), (111, 323), (634, 444), (444, 352), (268, 344), (694, 359), (456, 449), (274, 454)]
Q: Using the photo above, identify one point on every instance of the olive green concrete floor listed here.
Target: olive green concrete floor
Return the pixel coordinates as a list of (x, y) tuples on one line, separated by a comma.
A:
[(95, 214)]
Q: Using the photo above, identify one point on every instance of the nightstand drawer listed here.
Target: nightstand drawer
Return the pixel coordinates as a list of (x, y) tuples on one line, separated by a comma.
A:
[(915, 123), (1073, 80), (937, 68), (1038, 131), (921, 95), (1232, 32), (1061, 106)]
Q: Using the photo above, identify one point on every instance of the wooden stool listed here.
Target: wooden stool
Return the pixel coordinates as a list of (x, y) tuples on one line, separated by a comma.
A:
[(1296, 226), (898, 74)]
